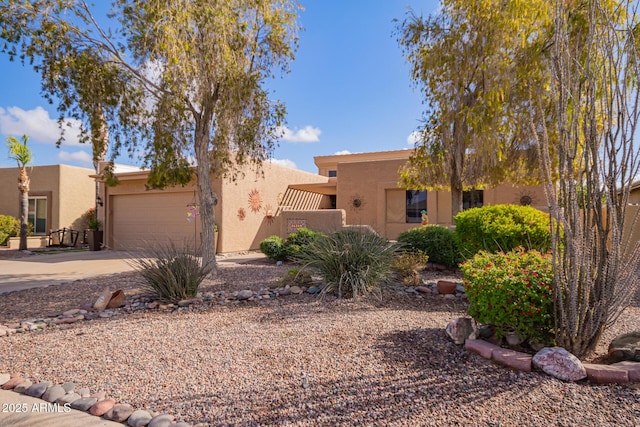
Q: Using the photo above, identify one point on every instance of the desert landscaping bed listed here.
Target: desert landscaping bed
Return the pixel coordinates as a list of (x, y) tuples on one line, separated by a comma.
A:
[(297, 360)]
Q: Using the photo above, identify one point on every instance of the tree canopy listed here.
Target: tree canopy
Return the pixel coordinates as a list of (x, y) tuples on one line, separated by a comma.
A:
[(466, 60), (179, 81)]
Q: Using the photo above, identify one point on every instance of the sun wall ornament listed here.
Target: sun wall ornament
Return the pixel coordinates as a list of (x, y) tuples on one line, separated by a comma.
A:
[(241, 214), (524, 199), (255, 201), (357, 202)]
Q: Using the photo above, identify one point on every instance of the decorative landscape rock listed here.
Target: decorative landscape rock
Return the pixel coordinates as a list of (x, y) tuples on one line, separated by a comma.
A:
[(446, 287), (54, 393), (84, 403), (38, 389), (625, 347), (68, 398), (461, 329), (244, 295), (162, 420), (23, 386), (103, 300), (117, 299), (4, 378), (139, 418), (559, 363), (119, 413), (101, 407)]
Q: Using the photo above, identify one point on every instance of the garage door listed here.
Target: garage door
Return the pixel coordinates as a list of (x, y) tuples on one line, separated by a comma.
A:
[(143, 220)]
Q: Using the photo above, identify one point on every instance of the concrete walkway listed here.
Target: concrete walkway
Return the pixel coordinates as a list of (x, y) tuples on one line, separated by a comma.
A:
[(55, 268), (18, 410)]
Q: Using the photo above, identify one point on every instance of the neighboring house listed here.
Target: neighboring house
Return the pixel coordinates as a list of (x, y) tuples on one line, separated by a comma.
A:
[(59, 195), (365, 186), (245, 215)]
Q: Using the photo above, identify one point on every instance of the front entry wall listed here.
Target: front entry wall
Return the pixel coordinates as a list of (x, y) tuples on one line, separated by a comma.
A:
[(148, 220)]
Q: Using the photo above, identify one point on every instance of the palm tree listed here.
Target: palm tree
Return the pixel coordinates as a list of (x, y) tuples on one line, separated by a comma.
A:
[(23, 156)]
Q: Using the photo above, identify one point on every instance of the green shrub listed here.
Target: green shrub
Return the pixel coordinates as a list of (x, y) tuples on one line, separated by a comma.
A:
[(350, 262), (512, 290), (298, 240), (274, 248), (437, 242), (502, 228), (407, 263), (171, 273), (9, 227)]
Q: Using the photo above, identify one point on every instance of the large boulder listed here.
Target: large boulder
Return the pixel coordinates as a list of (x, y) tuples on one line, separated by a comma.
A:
[(625, 347), (461, 329), (559, 363)]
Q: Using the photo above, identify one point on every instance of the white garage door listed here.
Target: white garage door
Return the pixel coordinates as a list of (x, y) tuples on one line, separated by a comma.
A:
[(143, 220)]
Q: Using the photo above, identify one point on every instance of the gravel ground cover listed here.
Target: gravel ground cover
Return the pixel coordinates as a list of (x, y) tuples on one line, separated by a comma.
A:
[(298, 360)]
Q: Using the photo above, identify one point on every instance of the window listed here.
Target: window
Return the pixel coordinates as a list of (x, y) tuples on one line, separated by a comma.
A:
[(38, 214), (333, 174), (416, 203), (472, 199)]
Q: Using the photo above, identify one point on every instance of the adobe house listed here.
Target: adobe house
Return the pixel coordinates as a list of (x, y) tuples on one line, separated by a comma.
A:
[(59, 196), (365, 187), (135, 217)]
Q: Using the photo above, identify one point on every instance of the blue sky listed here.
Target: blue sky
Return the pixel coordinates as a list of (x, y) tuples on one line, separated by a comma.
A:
[(348, 90)]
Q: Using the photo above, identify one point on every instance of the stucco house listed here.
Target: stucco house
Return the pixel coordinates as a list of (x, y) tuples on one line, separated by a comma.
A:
[(59, 196), (365, 187), (135, 217)]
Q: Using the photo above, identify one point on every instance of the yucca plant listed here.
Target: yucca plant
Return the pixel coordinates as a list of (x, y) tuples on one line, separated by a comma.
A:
[(350, 262), (170, 272)]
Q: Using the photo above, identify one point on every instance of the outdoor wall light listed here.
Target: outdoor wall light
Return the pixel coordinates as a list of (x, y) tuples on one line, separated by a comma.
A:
[(99, 201)]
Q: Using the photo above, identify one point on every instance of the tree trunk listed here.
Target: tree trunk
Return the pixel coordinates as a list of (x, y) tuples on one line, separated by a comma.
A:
[(23, 187), (206, 196), (456, 201), (24, 220)]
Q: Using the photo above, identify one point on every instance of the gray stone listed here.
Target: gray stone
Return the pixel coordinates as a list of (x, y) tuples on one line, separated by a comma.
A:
[(559, 363), (139, 418), (313, 290), (162, 420), (119, 413), (625, 347), (4, 378), (38, 389), (296, 290), (181, 424), (23, 386), (68, 387), (68, 398), (244, 295), (461, 329), (84, 403), (84, 392), (72, 312), (53, 393)]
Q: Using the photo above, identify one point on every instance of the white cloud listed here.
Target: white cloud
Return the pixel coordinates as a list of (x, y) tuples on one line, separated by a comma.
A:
[(79, 157), (413, 138), (342, 153), (36, 124), (306, 134), (284, 162)]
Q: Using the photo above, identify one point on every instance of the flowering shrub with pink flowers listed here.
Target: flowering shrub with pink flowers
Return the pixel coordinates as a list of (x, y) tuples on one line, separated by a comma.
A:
[(512, 290)]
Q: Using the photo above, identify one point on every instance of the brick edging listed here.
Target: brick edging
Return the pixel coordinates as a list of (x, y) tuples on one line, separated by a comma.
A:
[(617, 373)]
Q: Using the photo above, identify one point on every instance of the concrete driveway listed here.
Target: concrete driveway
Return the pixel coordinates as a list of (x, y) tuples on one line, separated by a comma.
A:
[(55, 268)]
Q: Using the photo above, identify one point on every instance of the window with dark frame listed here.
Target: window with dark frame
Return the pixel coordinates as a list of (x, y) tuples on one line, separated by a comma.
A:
[(416, 202), (472, 199), (38, 214), (333, 174)]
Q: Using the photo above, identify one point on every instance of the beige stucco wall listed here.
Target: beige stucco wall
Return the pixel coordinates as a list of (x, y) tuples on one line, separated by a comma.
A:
[(326, 221), (69, 191), (373, 178), (235, 232)]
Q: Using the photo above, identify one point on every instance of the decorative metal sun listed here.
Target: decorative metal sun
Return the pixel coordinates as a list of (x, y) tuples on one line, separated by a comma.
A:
[(241, 214), (357, 202), (255, 201), (523, 198)]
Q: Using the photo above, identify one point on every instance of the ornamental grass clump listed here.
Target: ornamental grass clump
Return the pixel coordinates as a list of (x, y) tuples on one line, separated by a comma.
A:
[(171, 273), (350, 263), (512, 291)]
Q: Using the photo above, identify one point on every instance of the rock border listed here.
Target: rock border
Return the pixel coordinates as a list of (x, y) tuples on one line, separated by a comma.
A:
[(617, 373)]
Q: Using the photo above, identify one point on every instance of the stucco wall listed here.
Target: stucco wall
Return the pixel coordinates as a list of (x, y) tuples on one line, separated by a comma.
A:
[(69, 191), (236, 232)]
